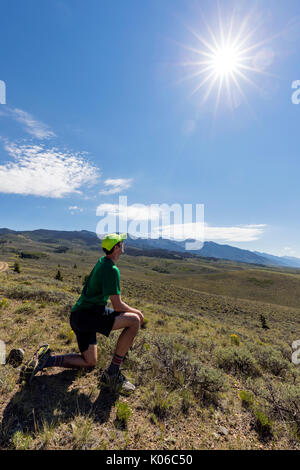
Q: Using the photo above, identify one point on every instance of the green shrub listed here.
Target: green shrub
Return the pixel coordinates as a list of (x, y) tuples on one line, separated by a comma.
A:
[(3, 303), (26, 308), (284, 400), (160, 269), (123, 415), (17, 268), (173, 360), (162, 402), (174, 365), (271, 360), (187, 400), (247, 398), (154, 419), (209, 381), (237, 361), (82, 427), (21, 441), (235, 340), (263, 423)]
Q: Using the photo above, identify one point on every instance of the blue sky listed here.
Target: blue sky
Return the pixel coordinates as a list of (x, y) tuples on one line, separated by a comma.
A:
[(101, 102)]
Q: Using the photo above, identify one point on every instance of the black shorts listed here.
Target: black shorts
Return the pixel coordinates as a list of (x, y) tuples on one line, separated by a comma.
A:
[(86, 323)]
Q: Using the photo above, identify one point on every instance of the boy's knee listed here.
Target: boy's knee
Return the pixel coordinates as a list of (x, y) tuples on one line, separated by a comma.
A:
[(135, 321), (91, 362), (90, 359)]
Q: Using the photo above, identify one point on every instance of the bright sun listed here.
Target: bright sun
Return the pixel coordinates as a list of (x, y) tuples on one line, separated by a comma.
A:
[(225, 59)]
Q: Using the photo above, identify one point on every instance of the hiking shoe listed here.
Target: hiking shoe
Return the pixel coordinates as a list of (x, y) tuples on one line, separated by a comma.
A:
[(117, 383), (15, 357), (35, 364)]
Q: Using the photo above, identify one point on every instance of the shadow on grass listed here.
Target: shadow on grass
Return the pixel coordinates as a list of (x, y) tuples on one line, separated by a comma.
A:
[(48, 402)]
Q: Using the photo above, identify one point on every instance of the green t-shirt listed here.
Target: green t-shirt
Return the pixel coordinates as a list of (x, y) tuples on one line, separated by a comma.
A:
[(103, 281)]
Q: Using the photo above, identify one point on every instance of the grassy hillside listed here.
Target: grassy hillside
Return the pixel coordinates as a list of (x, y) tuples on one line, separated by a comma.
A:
[(208, 375)]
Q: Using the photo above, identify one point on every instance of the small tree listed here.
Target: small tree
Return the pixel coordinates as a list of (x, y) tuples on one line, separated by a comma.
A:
[(17, 268), (58, 276), (264, 324)]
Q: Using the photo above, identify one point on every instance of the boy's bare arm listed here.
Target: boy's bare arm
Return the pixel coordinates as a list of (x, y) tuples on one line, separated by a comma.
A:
[(120, 306)]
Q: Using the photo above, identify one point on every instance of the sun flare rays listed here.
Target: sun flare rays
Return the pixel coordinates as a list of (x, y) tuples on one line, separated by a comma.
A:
[(226, 60)]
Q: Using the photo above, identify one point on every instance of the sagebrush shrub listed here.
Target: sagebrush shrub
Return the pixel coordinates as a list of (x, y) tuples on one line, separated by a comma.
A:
[(22, 292), (210, 380), (174, 364), (271, 360), (237, 361), (284, 401)]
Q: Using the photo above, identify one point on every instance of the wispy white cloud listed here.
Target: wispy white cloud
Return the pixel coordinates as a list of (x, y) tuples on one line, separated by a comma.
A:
[(288, 251), (32, 126), (246, 233), (240, 233), (75, 209), (116, 185), (45, 171)]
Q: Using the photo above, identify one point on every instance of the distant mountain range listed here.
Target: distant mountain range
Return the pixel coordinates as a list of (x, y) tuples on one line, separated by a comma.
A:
[(157, 247)]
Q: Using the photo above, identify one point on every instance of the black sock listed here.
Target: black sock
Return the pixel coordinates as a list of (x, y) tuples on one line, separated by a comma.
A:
[(54, 361), (115, 364)]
